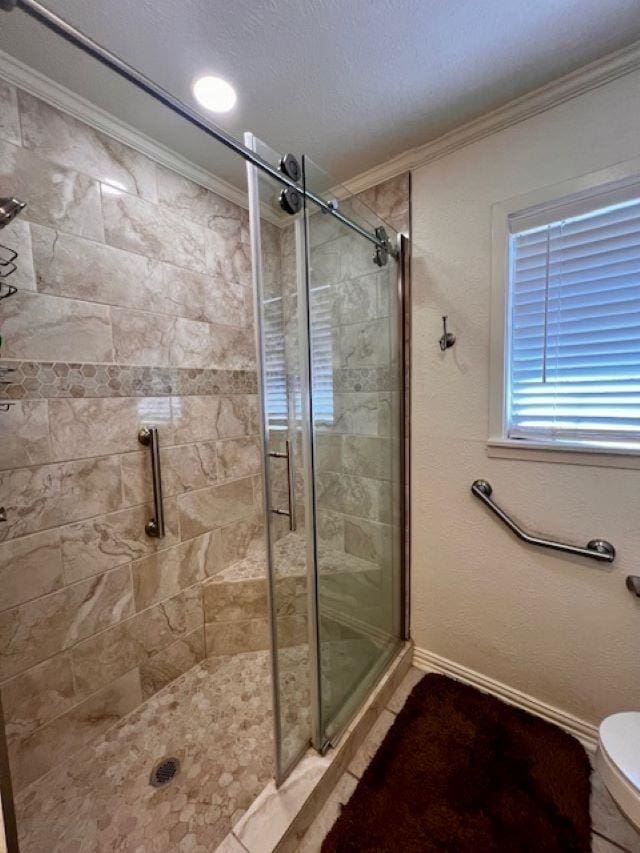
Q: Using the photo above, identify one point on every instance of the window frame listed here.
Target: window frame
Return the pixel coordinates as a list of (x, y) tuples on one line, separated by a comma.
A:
[(542, 203)]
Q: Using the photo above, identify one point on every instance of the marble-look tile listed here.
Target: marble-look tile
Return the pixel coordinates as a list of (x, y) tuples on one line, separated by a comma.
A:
[(106, 541), (100, 426), (166, 573), (56, 196), (103, 657), (607, 819), (9, 118), (194, 201), (24, 435), (66, 265), (358, 496), (390, 201), (237, 416), (360, 413), (40, 752), (157, 340), (601, 845), (37, 327), (367, 456), (227, 255), (368, 540), (330, 528), (164, 666), (184, 468), (207, 345), (230, 845), (364, 344), (235, 601), (196, 419), (371, 743), (38, 629), (396, 702), (244, 539), (38, 695), (239, 457), (140, 337), (207, 298), (355, 300), (138, 226), (330, 812), (231, 638), (209, 509), (29, 567), (271, 813), (16, 236), (63, 139), (51, 495)]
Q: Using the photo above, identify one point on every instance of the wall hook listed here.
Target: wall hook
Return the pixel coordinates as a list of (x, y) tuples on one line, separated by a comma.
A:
[(448, 339)]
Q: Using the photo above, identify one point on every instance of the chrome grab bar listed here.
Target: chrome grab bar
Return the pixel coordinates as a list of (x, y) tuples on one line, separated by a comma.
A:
[(291, 485), (597, 549), (148, 436)]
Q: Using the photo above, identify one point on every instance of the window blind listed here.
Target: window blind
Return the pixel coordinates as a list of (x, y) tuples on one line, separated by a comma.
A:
[(573, 371), (274, 362), (321, 336), (321, 353)]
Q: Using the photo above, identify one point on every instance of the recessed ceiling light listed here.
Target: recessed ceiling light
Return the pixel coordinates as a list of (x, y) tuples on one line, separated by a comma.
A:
[(215, 94)]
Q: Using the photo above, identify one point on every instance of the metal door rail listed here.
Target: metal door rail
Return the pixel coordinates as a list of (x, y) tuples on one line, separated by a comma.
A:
[(596, 549), (78, 39)]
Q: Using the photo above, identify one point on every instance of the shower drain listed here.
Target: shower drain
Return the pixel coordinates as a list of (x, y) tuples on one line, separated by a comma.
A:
[(164, 771)]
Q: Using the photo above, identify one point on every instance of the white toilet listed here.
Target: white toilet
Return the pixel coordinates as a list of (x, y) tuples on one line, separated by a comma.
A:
[(618, 761)]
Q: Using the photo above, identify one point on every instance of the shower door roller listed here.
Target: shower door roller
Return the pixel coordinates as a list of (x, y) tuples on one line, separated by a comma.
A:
[(290, 167), (290, 200)]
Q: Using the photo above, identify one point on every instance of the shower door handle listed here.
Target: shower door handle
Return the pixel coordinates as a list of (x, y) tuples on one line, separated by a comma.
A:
[(148, 436), (291, 485)]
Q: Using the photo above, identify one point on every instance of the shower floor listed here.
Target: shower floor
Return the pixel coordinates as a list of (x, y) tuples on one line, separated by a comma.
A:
[(216, 719)]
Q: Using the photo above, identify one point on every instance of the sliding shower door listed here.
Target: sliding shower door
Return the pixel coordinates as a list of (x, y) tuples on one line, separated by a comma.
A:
[(277, 240), (328, 331), (356, 392)]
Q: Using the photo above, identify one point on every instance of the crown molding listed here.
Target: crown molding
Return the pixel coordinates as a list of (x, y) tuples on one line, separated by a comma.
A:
[(572, 85), (35, 83), (586, 733)]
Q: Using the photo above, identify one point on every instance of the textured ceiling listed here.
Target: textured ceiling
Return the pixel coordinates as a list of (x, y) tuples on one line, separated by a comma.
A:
[(349, 82)]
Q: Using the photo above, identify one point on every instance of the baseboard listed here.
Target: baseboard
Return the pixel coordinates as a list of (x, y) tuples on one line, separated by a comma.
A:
[(586, 733)]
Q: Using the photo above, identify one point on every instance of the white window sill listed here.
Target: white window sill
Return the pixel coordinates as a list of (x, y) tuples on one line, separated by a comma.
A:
[(566, 453)]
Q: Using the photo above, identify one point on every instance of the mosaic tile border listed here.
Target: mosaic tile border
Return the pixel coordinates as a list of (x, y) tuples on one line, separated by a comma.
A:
[(363, 379), (29, 380)]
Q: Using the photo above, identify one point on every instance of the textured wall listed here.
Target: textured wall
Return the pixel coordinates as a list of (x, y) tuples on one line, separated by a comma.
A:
[(560, 629), (134, 308)]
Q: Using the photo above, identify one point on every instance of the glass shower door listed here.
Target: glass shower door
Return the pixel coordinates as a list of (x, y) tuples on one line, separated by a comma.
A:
[(277, 249), (356, 386)]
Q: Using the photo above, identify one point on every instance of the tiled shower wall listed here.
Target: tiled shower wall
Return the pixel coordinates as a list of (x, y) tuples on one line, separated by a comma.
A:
[(134, 307)]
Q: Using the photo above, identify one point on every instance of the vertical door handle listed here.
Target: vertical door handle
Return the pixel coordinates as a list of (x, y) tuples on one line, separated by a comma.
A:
[(149, 437), (291, 485)]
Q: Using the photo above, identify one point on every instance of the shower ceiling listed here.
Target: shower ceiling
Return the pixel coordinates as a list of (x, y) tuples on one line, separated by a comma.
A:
[(350, 83)]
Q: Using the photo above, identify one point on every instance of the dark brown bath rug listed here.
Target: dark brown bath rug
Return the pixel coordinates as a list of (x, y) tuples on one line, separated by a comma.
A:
[(460, 771)]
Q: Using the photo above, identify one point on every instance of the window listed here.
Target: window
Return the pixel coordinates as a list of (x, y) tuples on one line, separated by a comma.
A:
[(572, 349)]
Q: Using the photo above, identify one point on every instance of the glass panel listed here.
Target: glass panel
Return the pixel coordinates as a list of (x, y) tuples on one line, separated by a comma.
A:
[(277, 245), (356, 386)]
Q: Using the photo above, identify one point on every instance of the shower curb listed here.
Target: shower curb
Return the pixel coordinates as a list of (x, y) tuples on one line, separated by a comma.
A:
[(279, 817)]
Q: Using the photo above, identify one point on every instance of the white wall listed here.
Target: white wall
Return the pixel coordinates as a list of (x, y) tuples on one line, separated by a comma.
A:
[(563, 630)]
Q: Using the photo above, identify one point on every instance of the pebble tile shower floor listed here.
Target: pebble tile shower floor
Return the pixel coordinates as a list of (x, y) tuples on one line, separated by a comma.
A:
[(216, 720)]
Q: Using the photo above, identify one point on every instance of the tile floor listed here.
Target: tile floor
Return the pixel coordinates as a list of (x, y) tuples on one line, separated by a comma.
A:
[(216, 719), (611, 831)]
